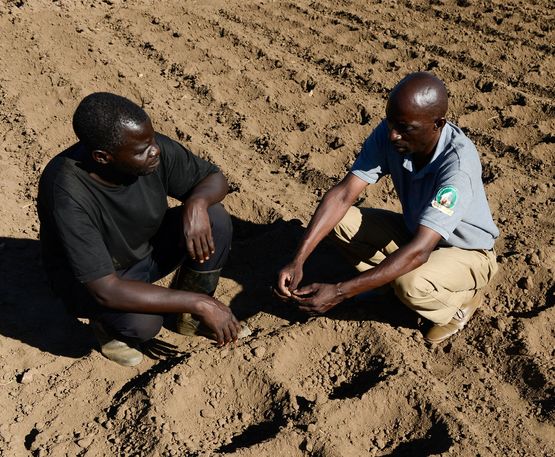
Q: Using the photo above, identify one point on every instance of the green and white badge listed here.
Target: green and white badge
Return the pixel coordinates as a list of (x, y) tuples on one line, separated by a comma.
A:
[(446, 199)]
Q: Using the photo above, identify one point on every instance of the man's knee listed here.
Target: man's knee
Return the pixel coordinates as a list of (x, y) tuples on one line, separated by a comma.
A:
[(411, 288), (348, 226), (220, 221), (222, 232), (420, 295), (133, 327)]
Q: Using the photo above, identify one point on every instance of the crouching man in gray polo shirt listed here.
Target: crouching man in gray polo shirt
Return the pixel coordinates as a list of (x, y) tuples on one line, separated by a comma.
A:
[(438, 254)]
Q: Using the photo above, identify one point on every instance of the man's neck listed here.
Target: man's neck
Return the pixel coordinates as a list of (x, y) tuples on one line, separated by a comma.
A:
[(423, 159)]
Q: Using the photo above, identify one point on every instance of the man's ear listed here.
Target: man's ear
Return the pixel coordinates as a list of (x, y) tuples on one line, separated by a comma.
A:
[(101, 156), (440, 123)]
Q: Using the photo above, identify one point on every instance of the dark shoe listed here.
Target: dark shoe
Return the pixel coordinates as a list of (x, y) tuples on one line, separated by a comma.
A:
[(115, 350), (202, 282), (187, 325), (439, 333)]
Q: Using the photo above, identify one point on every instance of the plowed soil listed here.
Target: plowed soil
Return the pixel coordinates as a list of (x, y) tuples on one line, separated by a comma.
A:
[(281, 94)]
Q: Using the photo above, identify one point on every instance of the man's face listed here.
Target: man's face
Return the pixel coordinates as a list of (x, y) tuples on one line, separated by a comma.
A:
[(411, 130), (139, 154)]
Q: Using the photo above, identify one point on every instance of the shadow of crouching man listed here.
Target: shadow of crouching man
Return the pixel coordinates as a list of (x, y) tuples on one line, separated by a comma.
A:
[(30, 311), (260, 250), (33, 315)]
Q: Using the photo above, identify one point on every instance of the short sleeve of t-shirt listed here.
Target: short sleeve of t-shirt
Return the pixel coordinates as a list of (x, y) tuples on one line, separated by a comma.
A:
[(371, 164), (451, 198), (92, 231), (181, 170), (91, 260)]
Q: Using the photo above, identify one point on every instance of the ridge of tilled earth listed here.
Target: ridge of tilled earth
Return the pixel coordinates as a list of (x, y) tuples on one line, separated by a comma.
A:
[(291, 89)]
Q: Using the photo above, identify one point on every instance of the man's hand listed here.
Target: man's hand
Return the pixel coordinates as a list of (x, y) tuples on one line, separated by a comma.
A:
[(197, 231), (318, 298), (196, 223), (219, 318), (289, 279)]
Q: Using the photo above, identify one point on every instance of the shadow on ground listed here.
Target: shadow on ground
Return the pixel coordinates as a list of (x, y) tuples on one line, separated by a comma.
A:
[(261, 250), (32, 315)]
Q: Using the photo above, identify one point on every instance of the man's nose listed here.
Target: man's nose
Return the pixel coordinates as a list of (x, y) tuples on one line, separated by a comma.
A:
[(154, 151), (394, 135)]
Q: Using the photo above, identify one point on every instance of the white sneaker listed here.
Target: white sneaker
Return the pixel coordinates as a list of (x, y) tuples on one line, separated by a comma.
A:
[(116, 350)]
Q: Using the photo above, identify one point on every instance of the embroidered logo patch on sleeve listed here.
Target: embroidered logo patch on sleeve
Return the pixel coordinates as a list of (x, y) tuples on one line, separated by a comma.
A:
[(445, 199)]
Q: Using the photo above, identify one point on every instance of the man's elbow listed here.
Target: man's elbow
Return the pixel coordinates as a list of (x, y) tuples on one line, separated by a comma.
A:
[(219, 181), (225, 184), (339, 196), (420, 257), (102, 290)]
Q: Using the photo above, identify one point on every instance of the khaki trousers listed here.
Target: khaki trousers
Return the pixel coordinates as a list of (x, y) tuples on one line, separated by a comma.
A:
[(435, 290)]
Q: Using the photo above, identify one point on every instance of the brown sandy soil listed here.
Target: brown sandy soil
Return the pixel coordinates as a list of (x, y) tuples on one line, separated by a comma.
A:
[(281, 95)]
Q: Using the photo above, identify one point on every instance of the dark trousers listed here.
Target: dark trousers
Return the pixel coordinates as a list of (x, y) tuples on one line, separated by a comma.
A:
[(169, 252)]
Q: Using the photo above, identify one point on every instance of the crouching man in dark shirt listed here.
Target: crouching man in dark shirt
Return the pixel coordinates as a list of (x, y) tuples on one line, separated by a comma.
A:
[(107, 233)]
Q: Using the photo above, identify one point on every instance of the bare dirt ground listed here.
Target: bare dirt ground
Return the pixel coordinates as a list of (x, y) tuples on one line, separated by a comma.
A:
[(281, 94)]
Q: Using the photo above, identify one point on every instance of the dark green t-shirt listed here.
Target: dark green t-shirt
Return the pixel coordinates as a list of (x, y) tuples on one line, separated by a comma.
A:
[(89, 230)]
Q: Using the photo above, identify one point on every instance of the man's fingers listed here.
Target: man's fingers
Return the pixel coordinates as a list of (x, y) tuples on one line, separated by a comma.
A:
[(306, 290), (281, 295), (220, 337), (235, 321), (205, 248), (294, 283), (200, 243), (232, 331), (199, 255), (211, 245), (282, 278), (305, 301), (227, 334), (191, 248), (234, 326)]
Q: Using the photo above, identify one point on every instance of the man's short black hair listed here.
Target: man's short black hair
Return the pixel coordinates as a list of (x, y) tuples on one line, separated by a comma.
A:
[(100, 119)]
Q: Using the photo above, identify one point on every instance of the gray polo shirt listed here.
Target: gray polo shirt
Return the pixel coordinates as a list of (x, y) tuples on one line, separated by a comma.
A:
[(447, 195)]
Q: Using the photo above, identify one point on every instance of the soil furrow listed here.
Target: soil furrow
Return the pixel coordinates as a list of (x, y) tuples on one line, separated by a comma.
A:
[(441, 51)]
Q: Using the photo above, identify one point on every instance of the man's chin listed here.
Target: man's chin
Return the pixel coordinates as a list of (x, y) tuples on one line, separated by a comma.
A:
[(149, 170), (146, 172)]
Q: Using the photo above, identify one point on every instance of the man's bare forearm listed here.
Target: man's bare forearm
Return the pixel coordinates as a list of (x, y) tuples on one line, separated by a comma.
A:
[(400, 262), (136, 296), (330, 211)]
